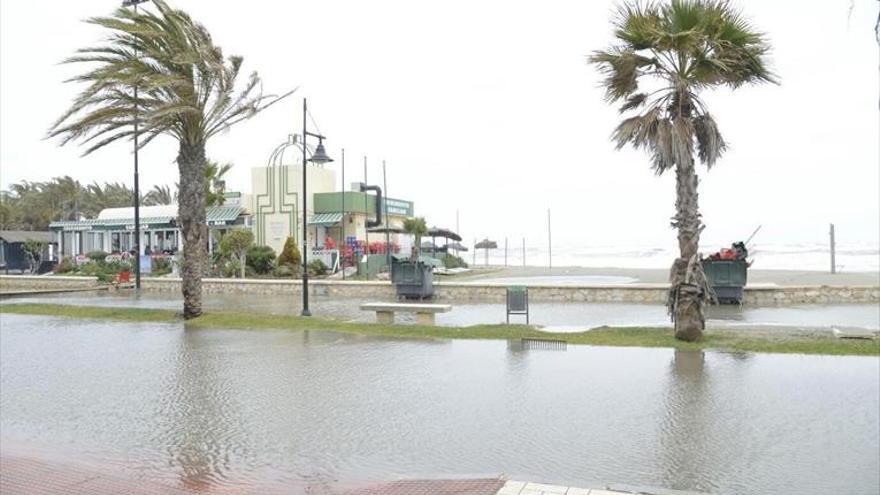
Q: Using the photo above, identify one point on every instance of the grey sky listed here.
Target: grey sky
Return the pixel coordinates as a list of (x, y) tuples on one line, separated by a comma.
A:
[(490, 107)]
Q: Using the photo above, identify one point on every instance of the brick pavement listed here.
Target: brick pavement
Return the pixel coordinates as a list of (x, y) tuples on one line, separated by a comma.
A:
[(27, 476)]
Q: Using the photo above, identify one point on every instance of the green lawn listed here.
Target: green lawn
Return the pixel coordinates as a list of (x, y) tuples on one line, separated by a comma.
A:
[(605, 336)]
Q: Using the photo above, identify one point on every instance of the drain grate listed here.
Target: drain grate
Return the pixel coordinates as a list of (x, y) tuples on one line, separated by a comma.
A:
[(544, 344)]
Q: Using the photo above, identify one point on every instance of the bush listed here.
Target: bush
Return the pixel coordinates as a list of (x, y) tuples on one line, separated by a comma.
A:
[(261, 259), (290, 254), (161, 265), (452, 261), (97, 256), (66, 265), (317, 268), (287, 271)]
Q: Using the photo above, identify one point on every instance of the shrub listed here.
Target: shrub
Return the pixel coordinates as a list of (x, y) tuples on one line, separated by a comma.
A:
[(237, 243), (161, 265), (66, 265), (287, 271), (290, 253), (452, 261), (317, 268), (261, 259), (97, 256)]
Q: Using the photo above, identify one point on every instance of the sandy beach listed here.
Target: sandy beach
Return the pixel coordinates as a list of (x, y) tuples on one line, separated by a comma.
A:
[(655, 275)]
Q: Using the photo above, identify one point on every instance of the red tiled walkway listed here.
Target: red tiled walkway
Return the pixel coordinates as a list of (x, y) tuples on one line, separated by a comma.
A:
[(26, 476), (22, 476)]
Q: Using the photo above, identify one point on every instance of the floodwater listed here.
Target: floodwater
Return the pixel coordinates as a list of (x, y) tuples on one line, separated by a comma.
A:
[(553, 316), (218, 409)]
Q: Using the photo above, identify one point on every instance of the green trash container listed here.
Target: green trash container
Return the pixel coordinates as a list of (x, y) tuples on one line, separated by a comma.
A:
[(727, 278)]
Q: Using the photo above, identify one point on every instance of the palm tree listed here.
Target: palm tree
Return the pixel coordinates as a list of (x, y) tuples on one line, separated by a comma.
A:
[(215, 185), (417, 228), (160, 195), (665, 56), (187, 91)]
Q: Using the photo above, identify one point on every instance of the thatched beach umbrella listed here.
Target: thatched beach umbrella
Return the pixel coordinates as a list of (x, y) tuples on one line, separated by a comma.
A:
[(487, 245), (447, 234)]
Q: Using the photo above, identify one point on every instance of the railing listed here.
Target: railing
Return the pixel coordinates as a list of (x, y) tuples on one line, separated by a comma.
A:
[(330, 257)]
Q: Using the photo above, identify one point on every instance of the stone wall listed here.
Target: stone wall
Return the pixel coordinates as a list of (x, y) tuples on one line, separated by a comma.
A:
[(461, 292), (47, 282)]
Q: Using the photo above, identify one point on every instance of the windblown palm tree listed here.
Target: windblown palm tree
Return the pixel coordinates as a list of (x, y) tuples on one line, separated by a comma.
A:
[(666, 55), (187, 91)]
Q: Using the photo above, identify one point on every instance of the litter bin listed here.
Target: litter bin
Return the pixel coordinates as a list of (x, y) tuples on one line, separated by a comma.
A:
[(727, 278), (412, 280)]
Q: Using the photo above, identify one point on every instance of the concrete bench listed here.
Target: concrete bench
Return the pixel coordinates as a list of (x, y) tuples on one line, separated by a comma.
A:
[(424, 312)]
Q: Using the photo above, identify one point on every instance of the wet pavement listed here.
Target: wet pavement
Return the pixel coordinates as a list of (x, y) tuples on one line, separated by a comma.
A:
[(222, 410), (553, 316)]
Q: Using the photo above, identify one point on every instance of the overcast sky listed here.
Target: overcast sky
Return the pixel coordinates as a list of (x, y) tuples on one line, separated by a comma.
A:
[(490, 108)]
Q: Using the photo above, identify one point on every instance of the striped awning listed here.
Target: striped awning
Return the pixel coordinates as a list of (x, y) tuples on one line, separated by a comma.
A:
[(326, 219), (214, 215)]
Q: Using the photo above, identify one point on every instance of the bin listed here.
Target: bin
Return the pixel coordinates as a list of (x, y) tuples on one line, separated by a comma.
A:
[(727, 278), (412, 280)]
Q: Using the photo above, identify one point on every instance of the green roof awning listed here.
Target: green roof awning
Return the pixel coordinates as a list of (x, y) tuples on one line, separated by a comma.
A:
[(214, 215), (326, 219)]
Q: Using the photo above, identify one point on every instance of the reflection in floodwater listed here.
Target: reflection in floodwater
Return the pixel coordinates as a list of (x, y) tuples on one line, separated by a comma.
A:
[(685, 424)]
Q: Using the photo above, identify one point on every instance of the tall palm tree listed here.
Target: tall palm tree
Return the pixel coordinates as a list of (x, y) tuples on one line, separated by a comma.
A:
[(665, 56), (187, 91)]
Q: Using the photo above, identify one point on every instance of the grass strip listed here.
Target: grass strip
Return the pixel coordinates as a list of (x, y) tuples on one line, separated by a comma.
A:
[(740, 340)]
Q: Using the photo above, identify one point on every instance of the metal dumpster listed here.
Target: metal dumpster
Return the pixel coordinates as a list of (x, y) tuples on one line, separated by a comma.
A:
[(728, 278), (412, 280)]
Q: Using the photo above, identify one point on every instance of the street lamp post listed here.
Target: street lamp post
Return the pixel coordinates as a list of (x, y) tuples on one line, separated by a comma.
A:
[(137, 191), (319, 157)]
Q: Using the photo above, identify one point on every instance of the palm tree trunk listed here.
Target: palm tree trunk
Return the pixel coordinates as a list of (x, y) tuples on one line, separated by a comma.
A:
[(686, 291), (191, 163)]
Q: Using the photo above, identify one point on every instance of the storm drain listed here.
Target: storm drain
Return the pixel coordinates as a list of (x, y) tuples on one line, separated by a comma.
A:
[(544, 344)]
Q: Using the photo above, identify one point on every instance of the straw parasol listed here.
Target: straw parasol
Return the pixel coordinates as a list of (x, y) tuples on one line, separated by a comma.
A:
[(487, 245)]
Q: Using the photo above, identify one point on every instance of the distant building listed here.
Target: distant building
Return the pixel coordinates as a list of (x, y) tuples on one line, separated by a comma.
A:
[(330, 220), (276, 207), (276, 200), (113, 230)]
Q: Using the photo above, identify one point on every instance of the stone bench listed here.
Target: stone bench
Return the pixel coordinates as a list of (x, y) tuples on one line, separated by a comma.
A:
[(424, 312)]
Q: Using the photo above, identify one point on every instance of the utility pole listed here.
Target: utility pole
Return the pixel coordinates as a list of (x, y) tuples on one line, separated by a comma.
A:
[(366, 213), (505, 252), (833, 263), (137, 189), (385, 210), (549, 242), (342, 243), (524, 253)]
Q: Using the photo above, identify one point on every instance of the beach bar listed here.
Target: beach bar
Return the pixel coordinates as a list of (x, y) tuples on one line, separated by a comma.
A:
[(113, 230)]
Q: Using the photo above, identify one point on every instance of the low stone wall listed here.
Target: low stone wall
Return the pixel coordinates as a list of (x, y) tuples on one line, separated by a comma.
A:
[(45, 282), (462, 292)]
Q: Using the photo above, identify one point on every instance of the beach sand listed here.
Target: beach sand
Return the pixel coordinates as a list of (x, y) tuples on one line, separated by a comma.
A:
[(655, 275)]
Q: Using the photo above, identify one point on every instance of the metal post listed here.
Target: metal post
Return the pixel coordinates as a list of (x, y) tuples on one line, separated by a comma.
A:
[(342, 221), (137, 190), (457, 231), (305, 242), (524, 252), (505, 252), (549, 243), (366, 214), (385, 211), (475, 252), (833, 263)]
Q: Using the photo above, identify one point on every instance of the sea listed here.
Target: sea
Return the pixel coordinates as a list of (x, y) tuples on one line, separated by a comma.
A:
[(853, 257)]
